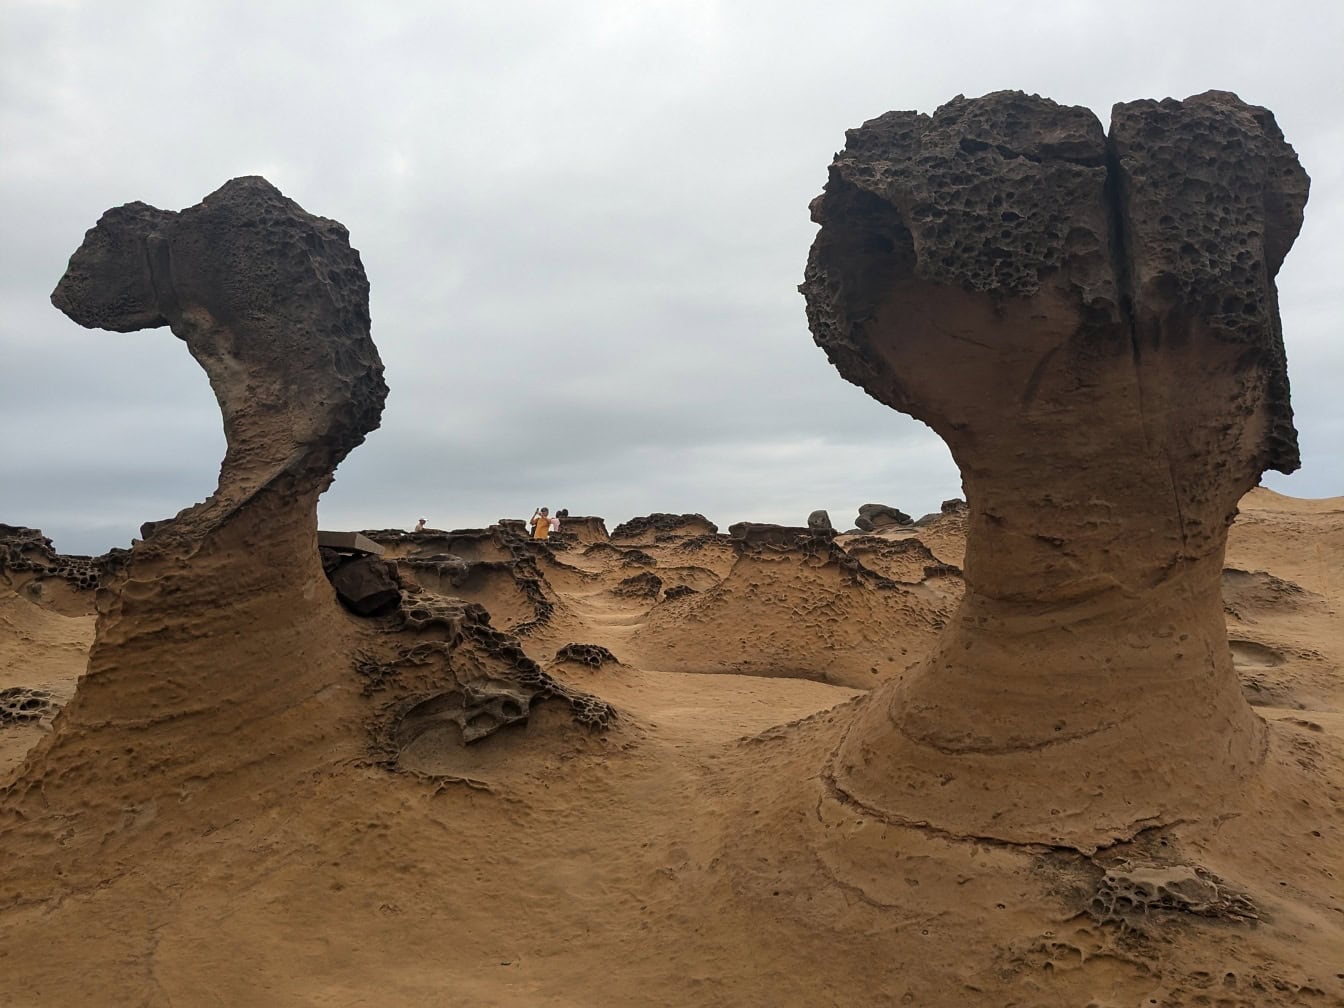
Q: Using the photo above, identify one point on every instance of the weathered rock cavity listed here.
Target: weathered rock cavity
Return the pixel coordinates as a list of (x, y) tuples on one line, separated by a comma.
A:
[(1091, 325)]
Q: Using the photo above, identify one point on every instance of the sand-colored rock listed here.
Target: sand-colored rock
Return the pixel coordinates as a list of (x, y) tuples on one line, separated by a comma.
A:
[(1091, 325), (273, 804)]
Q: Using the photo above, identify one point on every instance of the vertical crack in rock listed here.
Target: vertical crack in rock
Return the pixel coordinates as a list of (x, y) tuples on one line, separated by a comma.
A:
[(1091, 325)]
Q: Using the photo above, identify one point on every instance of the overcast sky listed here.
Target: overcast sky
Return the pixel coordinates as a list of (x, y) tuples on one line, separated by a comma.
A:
[(584, 225)]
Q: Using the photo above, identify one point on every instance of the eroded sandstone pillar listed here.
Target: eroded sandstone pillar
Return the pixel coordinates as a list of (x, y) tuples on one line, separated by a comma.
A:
[(217, 648), (1091, 325)]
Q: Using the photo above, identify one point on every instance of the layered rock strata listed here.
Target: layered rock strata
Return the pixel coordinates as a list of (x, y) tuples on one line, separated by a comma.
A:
[(1091, 324), (223, 669), (216, 642)]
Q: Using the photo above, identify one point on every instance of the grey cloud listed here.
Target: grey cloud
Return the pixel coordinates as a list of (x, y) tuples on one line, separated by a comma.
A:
[(583, 226)]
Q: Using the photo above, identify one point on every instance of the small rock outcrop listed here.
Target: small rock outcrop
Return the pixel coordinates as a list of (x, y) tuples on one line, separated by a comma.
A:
[(766, 533), (820, 521), (27, 555), (221, 661), (880, 518), (647, 527), (1091, 324)]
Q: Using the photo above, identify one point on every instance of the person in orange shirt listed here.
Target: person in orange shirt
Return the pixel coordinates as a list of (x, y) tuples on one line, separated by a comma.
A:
[(541, 524)]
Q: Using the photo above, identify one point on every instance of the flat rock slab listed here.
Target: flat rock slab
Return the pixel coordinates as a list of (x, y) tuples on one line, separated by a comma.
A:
[(352, 542)]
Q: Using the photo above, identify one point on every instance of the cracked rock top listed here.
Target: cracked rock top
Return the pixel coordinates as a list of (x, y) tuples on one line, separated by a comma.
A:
[(1173, 227)]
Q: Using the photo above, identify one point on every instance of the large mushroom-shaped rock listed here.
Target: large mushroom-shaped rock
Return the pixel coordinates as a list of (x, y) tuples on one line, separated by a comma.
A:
[(1091, 325), (216, 645)]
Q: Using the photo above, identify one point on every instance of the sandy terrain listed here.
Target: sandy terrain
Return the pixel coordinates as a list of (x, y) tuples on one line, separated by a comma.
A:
[(695, 852)]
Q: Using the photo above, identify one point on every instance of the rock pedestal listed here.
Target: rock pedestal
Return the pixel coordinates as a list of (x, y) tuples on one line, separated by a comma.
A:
[(1091, 324)]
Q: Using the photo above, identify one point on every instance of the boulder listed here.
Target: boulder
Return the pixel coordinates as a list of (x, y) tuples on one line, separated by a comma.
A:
[(881, 516), (820, 521), (647, 527), (765, 533), (367, 585)]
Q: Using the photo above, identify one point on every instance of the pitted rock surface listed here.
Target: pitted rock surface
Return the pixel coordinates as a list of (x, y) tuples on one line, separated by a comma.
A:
[(273, 304), (24, 705), (907, 561), (1091, 325), (645, 585), (876, 517), (448, 665), (28, 551), (752, 534), (647, 526), (592, 655), (1128, 893)]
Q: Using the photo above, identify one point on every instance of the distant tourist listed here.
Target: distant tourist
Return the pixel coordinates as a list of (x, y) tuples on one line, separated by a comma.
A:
[(555, 523), (541, 524), (420, 525)]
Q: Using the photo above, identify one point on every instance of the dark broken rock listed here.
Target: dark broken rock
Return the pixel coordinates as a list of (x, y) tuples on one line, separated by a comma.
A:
[(247, 278), (881, 516), (367, 585), (1128, 893), (820, 521), (28, 551), (678, 591)]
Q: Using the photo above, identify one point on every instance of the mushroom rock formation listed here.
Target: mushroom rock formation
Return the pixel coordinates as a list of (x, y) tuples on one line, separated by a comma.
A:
[(218, 639), (1091, 324)]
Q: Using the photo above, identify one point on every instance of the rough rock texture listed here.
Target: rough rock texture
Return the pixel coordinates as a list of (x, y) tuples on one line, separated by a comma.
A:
[(450, 667), (592, 655), (646, 527), (876, 517), (23, 705), (585, 528), (1091, 325), (28, 556), (221, 672), (222, 623), (367, 585), (820, 521), (778, 535), (273, 304)]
